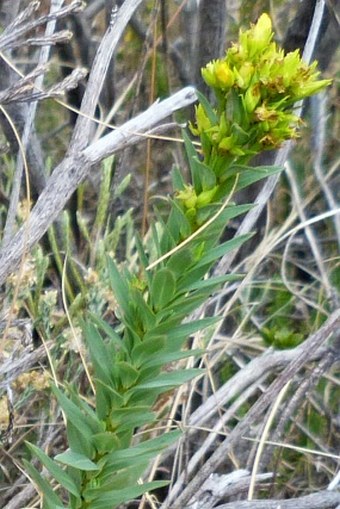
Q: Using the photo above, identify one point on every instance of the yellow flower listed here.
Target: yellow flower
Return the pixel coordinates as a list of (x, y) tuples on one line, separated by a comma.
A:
[(255, 40), (224, 75), (256, 85), (218, 74), (208, 74), (246, 73), (291, 67), (262, 31)]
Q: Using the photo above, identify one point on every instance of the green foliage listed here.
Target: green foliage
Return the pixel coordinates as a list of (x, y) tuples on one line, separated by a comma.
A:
[(281, 337), (130, 361)]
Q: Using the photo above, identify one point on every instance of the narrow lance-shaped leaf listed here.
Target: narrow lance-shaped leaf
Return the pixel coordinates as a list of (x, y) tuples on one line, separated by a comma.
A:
[(76, 460), (112, 499), (58, 473), (223, 249), (173, 379), (51, 499)]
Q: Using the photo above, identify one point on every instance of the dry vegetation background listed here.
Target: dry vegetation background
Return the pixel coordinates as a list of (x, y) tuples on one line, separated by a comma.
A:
[(281, 321)]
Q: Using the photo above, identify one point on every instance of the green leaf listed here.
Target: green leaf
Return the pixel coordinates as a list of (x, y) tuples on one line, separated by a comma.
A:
[(160, 236), (178, 182), (50, 497), (207, 107), (76, 460), (163, 288), (80, 427), (143, 258), (214, 282), (184, 305), (140, 353), (112, 499), (178, 224), (126, 457), (167, 240), (175, 332), (248, 174), (126, 477), (58, 473), (98, 351), (116, 480), (214, 254), (172, 379), (179, 261), (141, 310), (89, 414), (165, 358), (191, 276), (207, 176), (109, 331), (77, 442), (213, 231), (133, 417), (199, 292), (105, 442), (123, 184), (206, 212), (73, 413), (126, 373), (117, 398)]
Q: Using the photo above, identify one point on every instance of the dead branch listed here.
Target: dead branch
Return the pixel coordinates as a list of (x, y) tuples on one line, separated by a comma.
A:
[(321, 500), (20, 26), (308, 349), (238, 390), (59, 37), (29, 122), (299, 396), (74, 169), (82, 130), (77, 163), (218, 487), (23, 90)]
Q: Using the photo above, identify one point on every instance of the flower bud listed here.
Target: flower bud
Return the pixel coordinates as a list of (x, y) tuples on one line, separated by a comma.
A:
[(202, 120), (260, 34), (206, 197), (208, 74), (252, 97), (224, 75), (188, 197), (307, 89)]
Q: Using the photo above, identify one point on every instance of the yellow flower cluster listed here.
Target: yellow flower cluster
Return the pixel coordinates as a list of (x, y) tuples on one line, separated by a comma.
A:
[(256, 86)]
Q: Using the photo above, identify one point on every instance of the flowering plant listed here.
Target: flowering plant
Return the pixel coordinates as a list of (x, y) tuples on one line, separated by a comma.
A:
[(256, 86)]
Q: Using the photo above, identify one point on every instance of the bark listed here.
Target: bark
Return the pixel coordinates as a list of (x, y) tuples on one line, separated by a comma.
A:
[(321, 500), (75, 168)]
